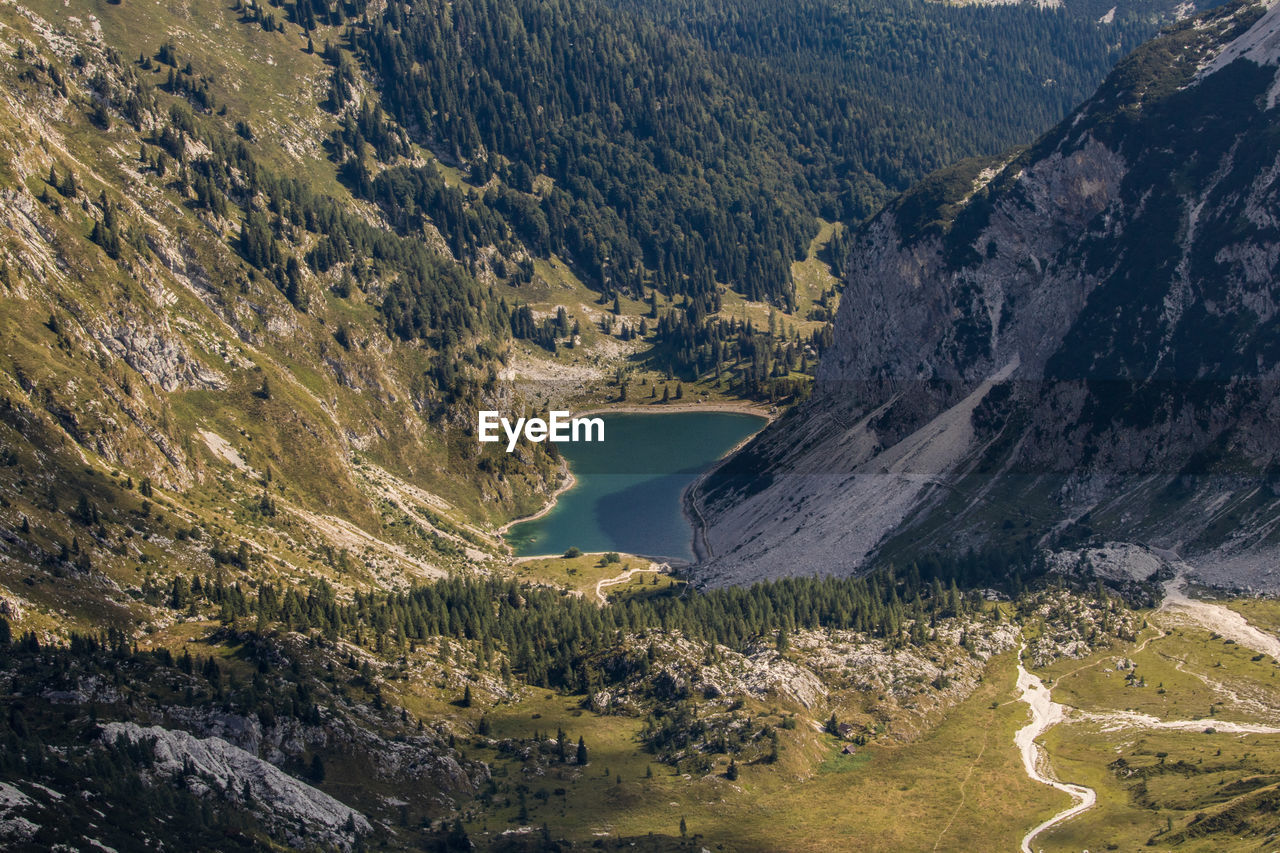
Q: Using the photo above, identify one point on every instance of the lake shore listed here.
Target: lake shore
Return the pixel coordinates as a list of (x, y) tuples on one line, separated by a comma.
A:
[(768, 414), (693, 512), (569, 482), (671, 562)]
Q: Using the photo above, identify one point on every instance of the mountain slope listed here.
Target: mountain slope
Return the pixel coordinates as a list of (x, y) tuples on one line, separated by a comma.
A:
[(187, 380), (690, 143), (248, 314), (1078, 342)]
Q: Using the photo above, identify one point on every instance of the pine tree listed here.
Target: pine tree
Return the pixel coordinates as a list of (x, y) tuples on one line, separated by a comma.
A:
[(582, 752), (457, 839)]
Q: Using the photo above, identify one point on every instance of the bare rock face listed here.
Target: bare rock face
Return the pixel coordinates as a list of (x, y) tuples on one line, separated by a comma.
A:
[(917, 316), (1079, 343), (306, 815), (1118, 561), (10, 608), (14, 828), (158, 354), (1073, 626), (423, 759), (760, 673)]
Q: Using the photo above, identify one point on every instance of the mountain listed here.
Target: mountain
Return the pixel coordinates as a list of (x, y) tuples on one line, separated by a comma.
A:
[(647, 115), (1072, 344), (260, 265)]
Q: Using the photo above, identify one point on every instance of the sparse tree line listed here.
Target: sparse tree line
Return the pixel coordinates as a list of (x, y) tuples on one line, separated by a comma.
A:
[(548, 638), (290, 234)]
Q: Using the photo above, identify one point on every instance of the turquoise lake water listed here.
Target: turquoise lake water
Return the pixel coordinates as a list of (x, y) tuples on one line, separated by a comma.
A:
[(627, 495)]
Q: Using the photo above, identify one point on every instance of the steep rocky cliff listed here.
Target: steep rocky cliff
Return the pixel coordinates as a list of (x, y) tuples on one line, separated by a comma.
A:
[(1080, 341)]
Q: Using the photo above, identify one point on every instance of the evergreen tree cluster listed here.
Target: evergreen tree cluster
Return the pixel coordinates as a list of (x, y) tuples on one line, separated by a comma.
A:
[(544, 333), (693, 143), (759, 363), (554, 639)]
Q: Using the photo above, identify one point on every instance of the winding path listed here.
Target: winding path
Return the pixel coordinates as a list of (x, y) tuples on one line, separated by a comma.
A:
[(1223, 620), (963, 785), (624, 577), (1045, 713)]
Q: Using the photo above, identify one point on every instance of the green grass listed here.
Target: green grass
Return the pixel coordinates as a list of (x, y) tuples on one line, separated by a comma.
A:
[(644, 585), (580, 573), (814, 799), (958, 786), (814, 275), (1186, 672), (1175, 776), (1263, 613), (1169, 789), (839, 762)]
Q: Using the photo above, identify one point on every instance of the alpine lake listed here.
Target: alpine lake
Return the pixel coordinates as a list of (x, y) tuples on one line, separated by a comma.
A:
[(627, 494)]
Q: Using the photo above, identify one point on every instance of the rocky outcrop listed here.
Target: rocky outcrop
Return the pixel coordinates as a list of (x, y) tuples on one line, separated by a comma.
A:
[(14, 828), (156, 352), (1075, 627), (210, 766), (814, 664), (1114, 561), (423, 759), (683, 668), (1078, 342)]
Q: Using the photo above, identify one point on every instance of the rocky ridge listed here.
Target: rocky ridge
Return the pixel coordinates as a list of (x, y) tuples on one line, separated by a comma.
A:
[(1067, 346), (211, 764)]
